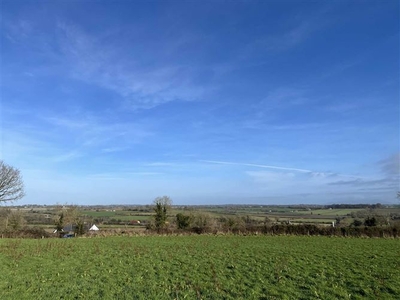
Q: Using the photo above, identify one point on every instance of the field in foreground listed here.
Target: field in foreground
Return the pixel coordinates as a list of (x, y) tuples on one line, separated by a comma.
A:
[(200, 267)]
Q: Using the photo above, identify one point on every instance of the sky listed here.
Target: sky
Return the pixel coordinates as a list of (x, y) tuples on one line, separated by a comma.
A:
[(207, 102)]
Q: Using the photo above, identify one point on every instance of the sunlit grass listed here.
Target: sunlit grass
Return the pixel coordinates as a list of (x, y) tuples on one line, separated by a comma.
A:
[(200, 267)]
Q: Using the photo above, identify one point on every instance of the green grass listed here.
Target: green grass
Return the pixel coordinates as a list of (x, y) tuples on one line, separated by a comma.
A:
[(200, 267)]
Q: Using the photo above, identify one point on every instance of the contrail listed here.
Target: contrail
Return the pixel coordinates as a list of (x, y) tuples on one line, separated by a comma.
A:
[(259, 166), (278, 168)]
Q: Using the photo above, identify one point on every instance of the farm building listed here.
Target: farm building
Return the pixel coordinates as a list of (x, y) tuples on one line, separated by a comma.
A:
[(94, 228)]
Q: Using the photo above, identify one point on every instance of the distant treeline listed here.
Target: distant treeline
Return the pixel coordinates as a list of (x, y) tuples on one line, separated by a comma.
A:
[(350, 206), (335, 206)]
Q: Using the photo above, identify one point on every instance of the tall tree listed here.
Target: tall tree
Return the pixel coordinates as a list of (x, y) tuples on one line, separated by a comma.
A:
[(11, 184), (161, 206)]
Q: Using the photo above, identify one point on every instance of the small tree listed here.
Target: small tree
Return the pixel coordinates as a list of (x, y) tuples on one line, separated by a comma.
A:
[(16, 220), (60, 222), (67, 215), (79, 228), (11, 184), (161, 207)]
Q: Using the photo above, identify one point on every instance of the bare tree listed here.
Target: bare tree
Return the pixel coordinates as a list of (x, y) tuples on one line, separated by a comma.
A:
[(11, 184)]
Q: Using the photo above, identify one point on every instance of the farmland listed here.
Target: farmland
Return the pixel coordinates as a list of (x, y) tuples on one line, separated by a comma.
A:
[(123, 216), (200, 267)]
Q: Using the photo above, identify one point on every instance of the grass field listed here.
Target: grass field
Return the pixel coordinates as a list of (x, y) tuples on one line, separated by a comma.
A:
[(200, 267)]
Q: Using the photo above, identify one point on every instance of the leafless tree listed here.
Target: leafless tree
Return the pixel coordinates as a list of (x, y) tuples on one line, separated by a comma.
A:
[(11, 184)]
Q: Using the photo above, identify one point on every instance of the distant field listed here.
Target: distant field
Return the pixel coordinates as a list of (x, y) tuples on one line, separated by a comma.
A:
[(96, 214), (326, 212), (313, 221), (200, 267), (330, 212), (118, 214)]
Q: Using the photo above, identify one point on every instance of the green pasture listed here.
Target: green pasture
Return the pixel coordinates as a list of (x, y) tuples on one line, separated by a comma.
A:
[(118, 214), (200, 267), (133, 217), (98, 214)]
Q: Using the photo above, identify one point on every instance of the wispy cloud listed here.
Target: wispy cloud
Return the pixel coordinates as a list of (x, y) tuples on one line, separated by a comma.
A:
[(54, 137), (390, 166), (300, 28), (342, 107), (140, 87), (90, 130), (17, 30), (121, 175), (358, 182), (66, 156), (282, 99), (305, 126), (268, 176), (160, 164), (114, 149), (290, 38)]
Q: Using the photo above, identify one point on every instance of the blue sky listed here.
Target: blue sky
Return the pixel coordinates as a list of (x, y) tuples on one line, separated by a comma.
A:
[(208, 102)]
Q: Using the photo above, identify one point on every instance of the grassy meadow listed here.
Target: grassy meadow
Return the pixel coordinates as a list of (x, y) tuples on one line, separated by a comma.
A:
[(200, 267)]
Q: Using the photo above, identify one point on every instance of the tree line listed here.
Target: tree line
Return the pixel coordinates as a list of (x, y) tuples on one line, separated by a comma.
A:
[(203, 223)]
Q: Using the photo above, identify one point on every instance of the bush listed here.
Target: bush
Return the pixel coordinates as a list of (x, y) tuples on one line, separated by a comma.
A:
[(27, 232), (370, 221), (183, 221), (356, 223)]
